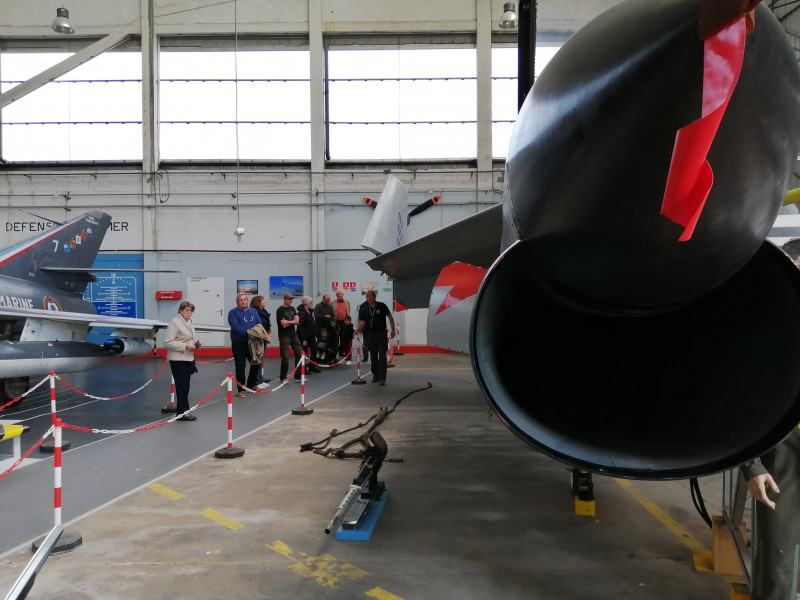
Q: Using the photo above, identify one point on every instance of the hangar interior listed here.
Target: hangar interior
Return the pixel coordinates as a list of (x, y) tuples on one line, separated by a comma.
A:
[(237, 144), (188, 121)]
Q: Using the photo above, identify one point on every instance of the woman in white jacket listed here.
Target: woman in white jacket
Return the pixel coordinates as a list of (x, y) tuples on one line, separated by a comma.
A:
[(181, 342)]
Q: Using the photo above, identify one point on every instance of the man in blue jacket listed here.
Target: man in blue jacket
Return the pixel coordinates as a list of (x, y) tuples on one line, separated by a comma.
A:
[(241, 319)]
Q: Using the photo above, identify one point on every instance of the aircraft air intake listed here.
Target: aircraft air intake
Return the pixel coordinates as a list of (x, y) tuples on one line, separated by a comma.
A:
[(637, 323)]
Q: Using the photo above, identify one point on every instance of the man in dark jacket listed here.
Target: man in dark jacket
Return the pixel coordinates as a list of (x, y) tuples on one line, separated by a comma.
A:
[(372, 317), (325, 316), (287, 320), (307, 332)]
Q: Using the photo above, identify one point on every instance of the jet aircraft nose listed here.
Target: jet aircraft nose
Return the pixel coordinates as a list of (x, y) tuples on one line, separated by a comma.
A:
[(594, 147)]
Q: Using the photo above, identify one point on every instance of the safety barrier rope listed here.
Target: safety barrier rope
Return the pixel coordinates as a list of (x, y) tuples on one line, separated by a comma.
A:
[(28, 453), (214, 362), (330, 365), (282, 383), (18, 398), (136, 391), (146, 427), (52, 377)]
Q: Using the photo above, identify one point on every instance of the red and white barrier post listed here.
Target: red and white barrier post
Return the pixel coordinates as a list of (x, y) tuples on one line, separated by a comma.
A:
[(302, 409), (57, 474), (49, 446), (171, 408), (67, 541), (229, 451), (389, 349), (358, 380), (397, 341)]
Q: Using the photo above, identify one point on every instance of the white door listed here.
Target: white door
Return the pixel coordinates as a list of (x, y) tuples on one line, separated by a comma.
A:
[(207, 295)]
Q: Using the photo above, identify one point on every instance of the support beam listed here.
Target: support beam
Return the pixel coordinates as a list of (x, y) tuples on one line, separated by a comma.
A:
[(65, 66), (526, 44)]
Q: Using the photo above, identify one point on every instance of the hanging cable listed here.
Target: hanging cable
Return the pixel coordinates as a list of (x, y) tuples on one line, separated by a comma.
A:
[(697, 499), (239, 230)]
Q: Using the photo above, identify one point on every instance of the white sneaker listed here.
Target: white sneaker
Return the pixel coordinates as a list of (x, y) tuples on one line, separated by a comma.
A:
[(348, 363), (262, 386)]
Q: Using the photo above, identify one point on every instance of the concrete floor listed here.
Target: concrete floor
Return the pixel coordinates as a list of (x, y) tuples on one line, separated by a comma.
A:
[(473, 513)]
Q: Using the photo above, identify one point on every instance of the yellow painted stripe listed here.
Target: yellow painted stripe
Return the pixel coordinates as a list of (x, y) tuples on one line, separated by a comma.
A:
[(10, 431), (157, 487), (382, 594), (221, 519), (281, 548), (687, 538)]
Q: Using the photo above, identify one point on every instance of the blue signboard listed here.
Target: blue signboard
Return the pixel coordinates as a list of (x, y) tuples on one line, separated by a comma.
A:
[(118, 294)]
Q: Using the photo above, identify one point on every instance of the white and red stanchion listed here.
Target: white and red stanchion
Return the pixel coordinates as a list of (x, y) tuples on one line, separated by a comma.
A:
[(302, 409), (389, 349), (49, 446), (171, 408), (57, 475), (358, 379), (397, 341), (67, 541), (229, 451)]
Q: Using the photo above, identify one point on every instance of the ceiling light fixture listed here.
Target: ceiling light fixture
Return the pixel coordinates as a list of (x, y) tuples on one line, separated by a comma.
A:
[(509, 18), (61, 23)]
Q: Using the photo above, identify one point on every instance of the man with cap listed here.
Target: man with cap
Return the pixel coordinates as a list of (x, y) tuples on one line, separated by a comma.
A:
[(372, 316), (288, 319)]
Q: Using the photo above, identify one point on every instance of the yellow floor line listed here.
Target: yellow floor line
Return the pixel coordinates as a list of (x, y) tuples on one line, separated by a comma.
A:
[(381, 594), (687, 538), (222, 520), (157, 487)]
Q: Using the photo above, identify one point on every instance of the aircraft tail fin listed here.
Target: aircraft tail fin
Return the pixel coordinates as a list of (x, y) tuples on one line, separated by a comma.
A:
[(388, 223), (62, 256)]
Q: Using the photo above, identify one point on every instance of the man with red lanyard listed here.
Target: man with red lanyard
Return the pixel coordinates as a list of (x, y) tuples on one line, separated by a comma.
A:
[(372, 317)]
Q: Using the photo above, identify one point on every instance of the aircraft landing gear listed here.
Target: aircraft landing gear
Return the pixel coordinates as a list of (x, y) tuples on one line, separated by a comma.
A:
[(12, 387)]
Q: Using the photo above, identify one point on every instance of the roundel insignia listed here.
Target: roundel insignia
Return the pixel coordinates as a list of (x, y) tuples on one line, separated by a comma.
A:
[(51, 303)]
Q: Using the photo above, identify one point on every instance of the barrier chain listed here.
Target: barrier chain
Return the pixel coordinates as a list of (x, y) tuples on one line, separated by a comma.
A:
[(330, 365), (20, 397), (146, 427), (27, 454), (136, 391)]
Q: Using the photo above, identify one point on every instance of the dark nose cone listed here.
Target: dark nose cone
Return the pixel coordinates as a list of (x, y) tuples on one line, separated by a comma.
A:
[(592, 146), (645, 356)]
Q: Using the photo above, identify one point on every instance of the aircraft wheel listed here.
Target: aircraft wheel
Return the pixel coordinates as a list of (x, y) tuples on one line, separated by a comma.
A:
[(13, 387)]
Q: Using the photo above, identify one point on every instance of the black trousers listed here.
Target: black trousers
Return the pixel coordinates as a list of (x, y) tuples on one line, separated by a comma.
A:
[(377, 345), (285, 343), (182, 374), (778, 531), (240, 359)]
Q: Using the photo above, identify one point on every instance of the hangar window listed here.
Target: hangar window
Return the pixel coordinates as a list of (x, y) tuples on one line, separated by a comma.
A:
[(504, 91), (91, 113), (250, 104), (407, 103)]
